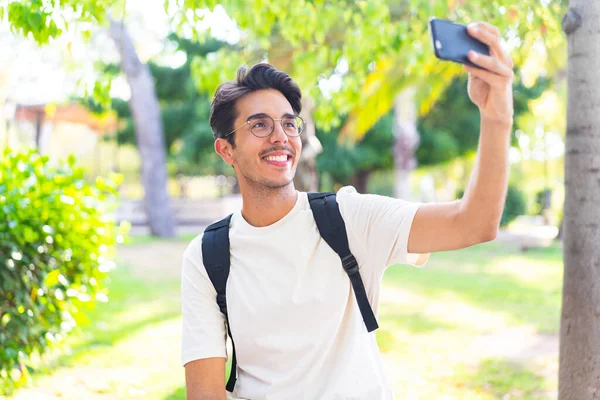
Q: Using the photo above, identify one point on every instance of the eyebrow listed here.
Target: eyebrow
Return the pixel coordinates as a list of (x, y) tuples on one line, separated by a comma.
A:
[(262, 115)]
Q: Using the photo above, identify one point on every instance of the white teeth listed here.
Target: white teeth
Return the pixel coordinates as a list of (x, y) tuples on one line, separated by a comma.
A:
[(276, 158)]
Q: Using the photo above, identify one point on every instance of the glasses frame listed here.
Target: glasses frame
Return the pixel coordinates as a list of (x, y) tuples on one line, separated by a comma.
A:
[(273, 129)]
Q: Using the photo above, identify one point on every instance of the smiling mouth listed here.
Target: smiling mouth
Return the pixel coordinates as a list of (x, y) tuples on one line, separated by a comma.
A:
[(278, 161), (282, 157)]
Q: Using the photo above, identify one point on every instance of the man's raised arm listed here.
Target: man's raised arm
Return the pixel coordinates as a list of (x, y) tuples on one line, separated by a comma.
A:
[(476, 217)]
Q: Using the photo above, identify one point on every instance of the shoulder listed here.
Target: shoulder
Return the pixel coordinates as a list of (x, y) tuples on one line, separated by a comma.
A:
[(353, 206), (194, 248), (350, 200), (347, 196), (373, 207), (346, 191), (192, 257), (193, 272)]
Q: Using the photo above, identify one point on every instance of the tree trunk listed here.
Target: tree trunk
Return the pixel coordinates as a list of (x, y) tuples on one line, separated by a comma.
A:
[(406, 140), (39, 120), (561, 231), (360, 181), (307, 179), (148, 132), (579, 371)]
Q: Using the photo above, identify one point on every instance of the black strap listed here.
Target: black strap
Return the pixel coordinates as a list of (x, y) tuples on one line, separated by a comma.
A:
[(215, 256), (233, 370), (333, 230)]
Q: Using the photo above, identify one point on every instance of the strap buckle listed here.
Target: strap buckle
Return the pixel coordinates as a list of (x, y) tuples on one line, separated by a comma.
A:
[(350, 264)]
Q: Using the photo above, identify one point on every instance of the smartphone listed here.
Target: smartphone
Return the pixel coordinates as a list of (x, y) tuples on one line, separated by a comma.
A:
[(452, 42)]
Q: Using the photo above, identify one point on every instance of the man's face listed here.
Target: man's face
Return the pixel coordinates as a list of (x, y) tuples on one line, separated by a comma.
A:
[(271, 161)]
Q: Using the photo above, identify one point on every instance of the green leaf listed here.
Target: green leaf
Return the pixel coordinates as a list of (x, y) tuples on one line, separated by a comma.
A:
[(52, 278)]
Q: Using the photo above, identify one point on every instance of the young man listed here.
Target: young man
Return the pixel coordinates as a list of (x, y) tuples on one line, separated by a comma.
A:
[(297, 329)]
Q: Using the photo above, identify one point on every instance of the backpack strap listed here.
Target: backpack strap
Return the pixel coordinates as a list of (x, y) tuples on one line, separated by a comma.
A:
[(215, 255), (333, 230)]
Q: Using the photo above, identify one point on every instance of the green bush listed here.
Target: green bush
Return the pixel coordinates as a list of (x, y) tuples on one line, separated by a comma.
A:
[(543, 200), (516, 204), (57, 241)]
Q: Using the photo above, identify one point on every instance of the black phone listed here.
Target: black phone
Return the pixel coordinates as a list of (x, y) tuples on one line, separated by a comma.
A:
[(452, 42)]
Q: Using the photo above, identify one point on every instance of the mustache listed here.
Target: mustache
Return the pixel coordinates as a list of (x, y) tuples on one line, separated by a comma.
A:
[(277, 148)]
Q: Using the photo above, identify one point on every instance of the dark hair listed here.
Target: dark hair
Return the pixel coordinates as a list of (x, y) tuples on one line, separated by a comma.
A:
[(223, 110)]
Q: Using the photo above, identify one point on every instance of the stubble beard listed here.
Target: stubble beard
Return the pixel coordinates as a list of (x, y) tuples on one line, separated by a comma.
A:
[(265, 186)]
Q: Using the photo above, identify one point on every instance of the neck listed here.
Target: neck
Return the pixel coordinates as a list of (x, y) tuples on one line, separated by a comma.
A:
[(265, 206)]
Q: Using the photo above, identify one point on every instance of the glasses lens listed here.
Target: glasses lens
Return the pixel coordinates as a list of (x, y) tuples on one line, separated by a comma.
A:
[(261, 127), (293, 126)]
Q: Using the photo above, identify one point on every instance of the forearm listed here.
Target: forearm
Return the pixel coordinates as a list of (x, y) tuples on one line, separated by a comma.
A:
[(484, 198)]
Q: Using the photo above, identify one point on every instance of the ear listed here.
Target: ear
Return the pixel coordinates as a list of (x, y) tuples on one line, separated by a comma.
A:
[(225, 150)]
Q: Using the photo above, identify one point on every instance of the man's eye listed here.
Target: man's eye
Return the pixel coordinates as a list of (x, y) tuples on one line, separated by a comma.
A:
[(259, 125), (289, 123)]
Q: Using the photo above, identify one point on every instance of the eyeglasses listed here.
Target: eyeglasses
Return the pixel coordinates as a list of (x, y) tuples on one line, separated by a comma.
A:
[(262, 125)]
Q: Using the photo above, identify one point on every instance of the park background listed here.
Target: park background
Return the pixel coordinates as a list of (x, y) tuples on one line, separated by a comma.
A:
[(389, 118)]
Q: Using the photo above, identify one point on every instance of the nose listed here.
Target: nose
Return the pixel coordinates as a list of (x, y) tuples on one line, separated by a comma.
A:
[(278, 134)]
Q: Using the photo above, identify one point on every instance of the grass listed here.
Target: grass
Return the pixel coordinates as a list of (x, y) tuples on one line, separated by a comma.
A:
[(130, 345), (502, 379), (524, 288), (134, 305), (470, 325), (479, 323)]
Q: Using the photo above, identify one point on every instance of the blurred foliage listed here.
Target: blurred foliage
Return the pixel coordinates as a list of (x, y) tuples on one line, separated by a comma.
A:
[(324, 46), (46, 20), (311, 40), (56, 244), (441, 141), (343, 161), (546, 114), (451, 128), (516, 204), (529, 28), (351, 57), (185, 112), (543, 200)]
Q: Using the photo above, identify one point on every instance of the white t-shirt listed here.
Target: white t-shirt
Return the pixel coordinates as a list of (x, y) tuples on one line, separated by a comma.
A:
[(298, 331)]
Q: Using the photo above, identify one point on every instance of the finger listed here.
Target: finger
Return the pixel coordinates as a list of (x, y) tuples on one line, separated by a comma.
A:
[(493, 41), (486, 27), (490, 63), (511, 63), (492, 79)]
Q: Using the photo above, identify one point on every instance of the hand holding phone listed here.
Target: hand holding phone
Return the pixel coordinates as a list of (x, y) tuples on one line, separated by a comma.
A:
[(452, 42), (489, 66)]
